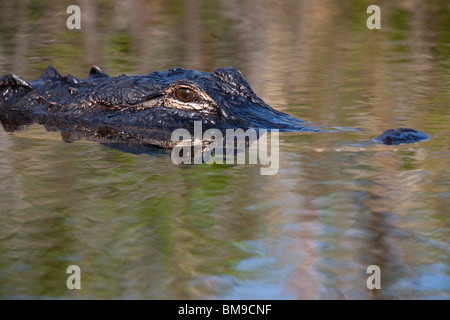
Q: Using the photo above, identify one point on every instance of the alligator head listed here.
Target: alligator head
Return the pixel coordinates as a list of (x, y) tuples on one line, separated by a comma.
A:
[(150, 106), (173, 99)]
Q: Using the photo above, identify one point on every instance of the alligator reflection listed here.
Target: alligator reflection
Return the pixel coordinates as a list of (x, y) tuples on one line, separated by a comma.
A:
[(133, 140)]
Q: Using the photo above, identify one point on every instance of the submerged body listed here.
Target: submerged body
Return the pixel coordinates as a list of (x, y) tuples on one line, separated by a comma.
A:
[(148, 107)]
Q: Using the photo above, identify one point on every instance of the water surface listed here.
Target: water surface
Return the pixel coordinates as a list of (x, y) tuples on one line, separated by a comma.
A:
[(141, 227)]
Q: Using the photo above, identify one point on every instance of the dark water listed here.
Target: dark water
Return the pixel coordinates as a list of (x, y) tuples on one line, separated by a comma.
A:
[(139, 226)]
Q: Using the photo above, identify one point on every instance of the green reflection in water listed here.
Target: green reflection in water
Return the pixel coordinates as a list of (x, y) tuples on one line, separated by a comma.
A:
[(140, 227)]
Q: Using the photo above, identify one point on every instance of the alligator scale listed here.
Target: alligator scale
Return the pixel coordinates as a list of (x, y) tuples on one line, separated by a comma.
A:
[(146, 109)]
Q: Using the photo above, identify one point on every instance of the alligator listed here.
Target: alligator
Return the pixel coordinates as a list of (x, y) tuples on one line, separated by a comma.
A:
[(146, 109)]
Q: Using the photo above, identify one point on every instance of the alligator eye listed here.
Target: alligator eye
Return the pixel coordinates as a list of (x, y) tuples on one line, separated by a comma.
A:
[(186, 95)]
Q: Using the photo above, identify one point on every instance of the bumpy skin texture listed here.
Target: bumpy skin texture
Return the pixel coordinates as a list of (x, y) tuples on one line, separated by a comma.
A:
[(150, 106), (225, 100)]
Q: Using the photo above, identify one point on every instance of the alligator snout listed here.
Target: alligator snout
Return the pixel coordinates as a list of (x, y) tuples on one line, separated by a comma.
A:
[(401, 135)]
